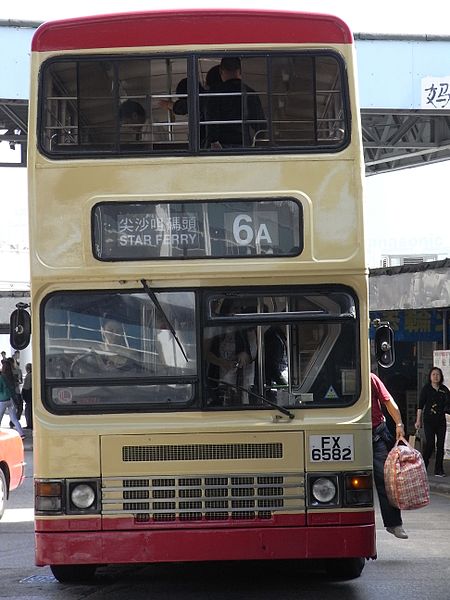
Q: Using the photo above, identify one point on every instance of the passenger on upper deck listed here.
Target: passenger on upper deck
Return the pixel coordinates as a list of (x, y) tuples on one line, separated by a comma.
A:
[(236, 102), (135, 128), (132, 120), (180, 106)]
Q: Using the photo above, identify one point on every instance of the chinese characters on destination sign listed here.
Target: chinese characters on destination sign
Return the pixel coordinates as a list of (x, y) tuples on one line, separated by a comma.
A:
[(149, 230)]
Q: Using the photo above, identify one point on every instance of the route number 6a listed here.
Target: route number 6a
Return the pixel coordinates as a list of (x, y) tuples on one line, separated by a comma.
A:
[(244, 231)]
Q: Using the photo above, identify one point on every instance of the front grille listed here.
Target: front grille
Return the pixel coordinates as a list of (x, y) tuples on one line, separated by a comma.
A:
[(203, 497), (201, 452)]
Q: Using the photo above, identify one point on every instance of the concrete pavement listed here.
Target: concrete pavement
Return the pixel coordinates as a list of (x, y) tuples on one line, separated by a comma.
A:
[(439, 484)]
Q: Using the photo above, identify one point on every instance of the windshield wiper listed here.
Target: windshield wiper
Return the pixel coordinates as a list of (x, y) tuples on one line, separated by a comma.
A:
[(282, 410), (151, 294)]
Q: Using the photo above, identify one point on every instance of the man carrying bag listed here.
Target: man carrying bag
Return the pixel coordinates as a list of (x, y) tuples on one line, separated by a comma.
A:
[(382, 443)]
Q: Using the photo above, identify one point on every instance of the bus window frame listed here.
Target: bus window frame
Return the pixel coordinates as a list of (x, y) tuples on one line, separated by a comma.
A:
[(194, 149), (198, 381), (47, 384)]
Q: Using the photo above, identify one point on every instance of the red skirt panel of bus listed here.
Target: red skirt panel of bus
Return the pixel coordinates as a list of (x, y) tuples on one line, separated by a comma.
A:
[(97, 523), (189, 544)]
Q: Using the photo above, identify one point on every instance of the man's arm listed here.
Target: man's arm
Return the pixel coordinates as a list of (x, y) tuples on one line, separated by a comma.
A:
[(386, 397), (394, 411)]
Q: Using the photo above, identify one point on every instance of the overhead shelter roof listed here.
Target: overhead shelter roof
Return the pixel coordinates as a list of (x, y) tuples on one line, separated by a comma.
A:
[(393, 71), (423, 285)]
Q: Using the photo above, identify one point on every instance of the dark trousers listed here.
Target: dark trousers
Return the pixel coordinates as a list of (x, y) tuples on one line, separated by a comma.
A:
[(27, 398), (434, 438), (382, 442), (18, 403)]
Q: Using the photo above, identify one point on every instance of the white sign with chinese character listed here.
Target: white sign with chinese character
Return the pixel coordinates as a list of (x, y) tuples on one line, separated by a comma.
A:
[(435, 93), (441, 359)]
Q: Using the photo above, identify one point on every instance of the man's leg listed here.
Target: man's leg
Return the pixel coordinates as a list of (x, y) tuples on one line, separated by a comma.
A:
[(390, 514)]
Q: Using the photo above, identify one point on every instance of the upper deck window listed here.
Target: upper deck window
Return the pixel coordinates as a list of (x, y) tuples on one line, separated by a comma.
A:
[(193, 104)]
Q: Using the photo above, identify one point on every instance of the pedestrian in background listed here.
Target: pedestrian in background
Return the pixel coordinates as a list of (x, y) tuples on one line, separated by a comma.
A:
[(382, 443), (235, 109), (6, 394), (18, 380), (27, 396), (434, 402)]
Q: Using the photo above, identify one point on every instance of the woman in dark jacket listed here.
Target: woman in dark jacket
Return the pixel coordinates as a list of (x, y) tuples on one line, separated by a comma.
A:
[(433, 403), (7, 391)]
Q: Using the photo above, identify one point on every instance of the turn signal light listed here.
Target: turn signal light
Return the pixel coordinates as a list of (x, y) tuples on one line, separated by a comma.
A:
[(358, 489), (48, 497), (48, 488), (358, 482)]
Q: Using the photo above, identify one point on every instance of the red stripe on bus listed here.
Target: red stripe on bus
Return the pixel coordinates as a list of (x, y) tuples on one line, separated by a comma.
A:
[(340, 518), (189, 545), (129, 524), (195, 27)]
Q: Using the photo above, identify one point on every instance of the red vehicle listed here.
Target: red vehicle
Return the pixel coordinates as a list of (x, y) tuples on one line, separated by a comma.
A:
[(12, 464)]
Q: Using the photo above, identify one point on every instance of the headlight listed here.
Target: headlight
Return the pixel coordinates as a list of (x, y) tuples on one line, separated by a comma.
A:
[(82, 496), (323, 490), (67, 496)]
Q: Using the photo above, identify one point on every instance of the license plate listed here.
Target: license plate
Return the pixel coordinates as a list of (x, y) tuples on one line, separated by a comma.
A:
[(331, 448)]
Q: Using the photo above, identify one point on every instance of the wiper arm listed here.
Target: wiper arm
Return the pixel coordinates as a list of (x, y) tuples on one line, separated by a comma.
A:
[(151, 294), (283, 410)]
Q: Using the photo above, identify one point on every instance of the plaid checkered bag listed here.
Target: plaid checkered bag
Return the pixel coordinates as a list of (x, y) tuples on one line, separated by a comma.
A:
[(405, 477)]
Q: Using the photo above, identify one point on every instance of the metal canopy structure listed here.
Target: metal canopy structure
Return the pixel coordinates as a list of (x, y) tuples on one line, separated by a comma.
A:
[(392, 140), (404, 84), (397, 132), (14, 128), (401, 139)]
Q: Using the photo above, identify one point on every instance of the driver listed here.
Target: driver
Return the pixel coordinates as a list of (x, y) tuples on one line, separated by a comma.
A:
[(115, 346), (111, 358)]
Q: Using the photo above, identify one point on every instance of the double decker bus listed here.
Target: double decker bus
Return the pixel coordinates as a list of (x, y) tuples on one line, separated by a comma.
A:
[(199, 292)]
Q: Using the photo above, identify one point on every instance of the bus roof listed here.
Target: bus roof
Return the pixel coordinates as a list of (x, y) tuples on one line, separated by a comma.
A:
[(189, 27)]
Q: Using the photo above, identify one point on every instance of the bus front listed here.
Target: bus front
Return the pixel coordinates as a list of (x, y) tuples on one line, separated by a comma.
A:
[(199, 292)]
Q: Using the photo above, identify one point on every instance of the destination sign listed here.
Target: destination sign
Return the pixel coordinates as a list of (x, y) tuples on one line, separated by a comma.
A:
[(213, 228)]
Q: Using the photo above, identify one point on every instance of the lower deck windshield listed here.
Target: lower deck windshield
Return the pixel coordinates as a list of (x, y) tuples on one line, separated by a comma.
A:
[(200, 349)]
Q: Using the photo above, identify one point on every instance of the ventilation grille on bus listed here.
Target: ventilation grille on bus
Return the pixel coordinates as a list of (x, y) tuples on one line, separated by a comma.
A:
[(201, 452), (203, 498)]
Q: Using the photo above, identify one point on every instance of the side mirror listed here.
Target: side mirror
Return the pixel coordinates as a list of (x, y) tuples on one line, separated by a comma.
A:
[(384, 345), (20, 327)]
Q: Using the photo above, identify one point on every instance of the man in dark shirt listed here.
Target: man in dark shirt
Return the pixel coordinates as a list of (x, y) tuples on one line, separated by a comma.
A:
[(235, 110)]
